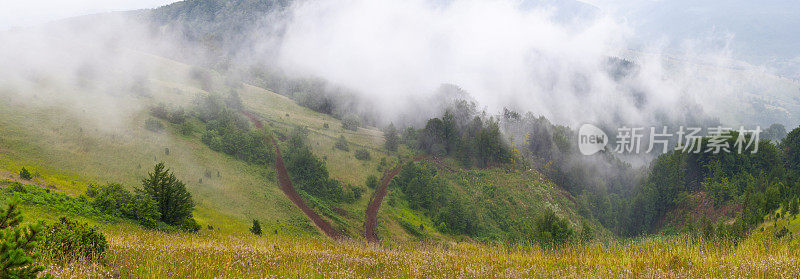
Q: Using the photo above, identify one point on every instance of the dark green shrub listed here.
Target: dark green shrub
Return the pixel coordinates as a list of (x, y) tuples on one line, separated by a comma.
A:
[(174, 116), (68, 240), (256, 228), (25, 174), (707, 230), (186, 128), (781, 233), (350, 122), (372, 181), (550, 229), (357, 192), (58, 202), (18, 244), (341, 143), (114, 199), (18, 187), (586, 234), (308, 172), (226, 134), (189, 225), (92, 190), (153, 125), (391, 137), (363, 155)]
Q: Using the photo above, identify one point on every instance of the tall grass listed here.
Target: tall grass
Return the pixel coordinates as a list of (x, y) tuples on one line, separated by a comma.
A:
[(142, 254)]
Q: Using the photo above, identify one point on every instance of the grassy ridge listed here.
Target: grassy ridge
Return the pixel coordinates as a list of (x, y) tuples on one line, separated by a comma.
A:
[(68, 155)]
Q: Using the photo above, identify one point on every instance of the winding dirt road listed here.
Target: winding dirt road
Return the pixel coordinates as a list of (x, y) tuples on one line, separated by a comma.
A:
[(291, 193), (371, 223), (286, 186)]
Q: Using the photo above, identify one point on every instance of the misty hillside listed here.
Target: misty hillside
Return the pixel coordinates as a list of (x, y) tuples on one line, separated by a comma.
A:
[(222, 25), (399, 139), (249, 37), (73, 150)]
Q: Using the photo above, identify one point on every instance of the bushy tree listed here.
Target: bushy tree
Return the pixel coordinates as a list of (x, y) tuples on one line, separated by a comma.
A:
[(550, 229), (423, 189), (372, 181), (391, 137), (68, 240), (351, 122), (174, 202), (775, 132), (472, 142), (25, 174), (256, 228), (341, 143), (791, 148), (153, 125), (362, 154), (307, 171), (18, 245), (114, 199)]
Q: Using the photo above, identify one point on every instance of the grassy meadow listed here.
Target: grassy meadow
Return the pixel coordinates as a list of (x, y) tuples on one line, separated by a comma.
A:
[(134, 253)]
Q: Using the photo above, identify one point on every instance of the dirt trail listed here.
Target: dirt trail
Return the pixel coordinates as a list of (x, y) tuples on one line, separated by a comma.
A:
[(291, 193), (253, 119), (372, 210), (286, 186), (371, 223)]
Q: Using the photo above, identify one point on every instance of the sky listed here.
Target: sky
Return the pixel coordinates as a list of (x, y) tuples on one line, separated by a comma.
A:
[(22, 13)]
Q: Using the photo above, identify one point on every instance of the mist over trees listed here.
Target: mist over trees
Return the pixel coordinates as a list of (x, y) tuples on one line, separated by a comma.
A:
[(475, 140)]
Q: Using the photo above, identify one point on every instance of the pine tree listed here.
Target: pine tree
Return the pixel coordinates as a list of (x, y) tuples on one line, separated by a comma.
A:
[(392, 140), (17, 245), (174, 202), (25, 174), (256, 229)]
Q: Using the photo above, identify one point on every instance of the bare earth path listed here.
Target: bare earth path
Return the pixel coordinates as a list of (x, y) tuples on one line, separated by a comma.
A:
[(286, 186), (371, 222), (291, 193)]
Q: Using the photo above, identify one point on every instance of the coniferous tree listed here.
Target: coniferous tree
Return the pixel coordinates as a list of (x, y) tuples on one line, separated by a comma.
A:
[(17, 245), (256, 228), (25, 174), (174, 202), (392, 139)]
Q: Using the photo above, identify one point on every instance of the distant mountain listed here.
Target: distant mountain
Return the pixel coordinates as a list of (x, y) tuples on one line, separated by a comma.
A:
[(229, 25), (222, 25)]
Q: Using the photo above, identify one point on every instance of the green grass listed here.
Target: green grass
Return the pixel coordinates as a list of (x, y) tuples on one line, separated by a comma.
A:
[(134, 253), (70, 153)]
